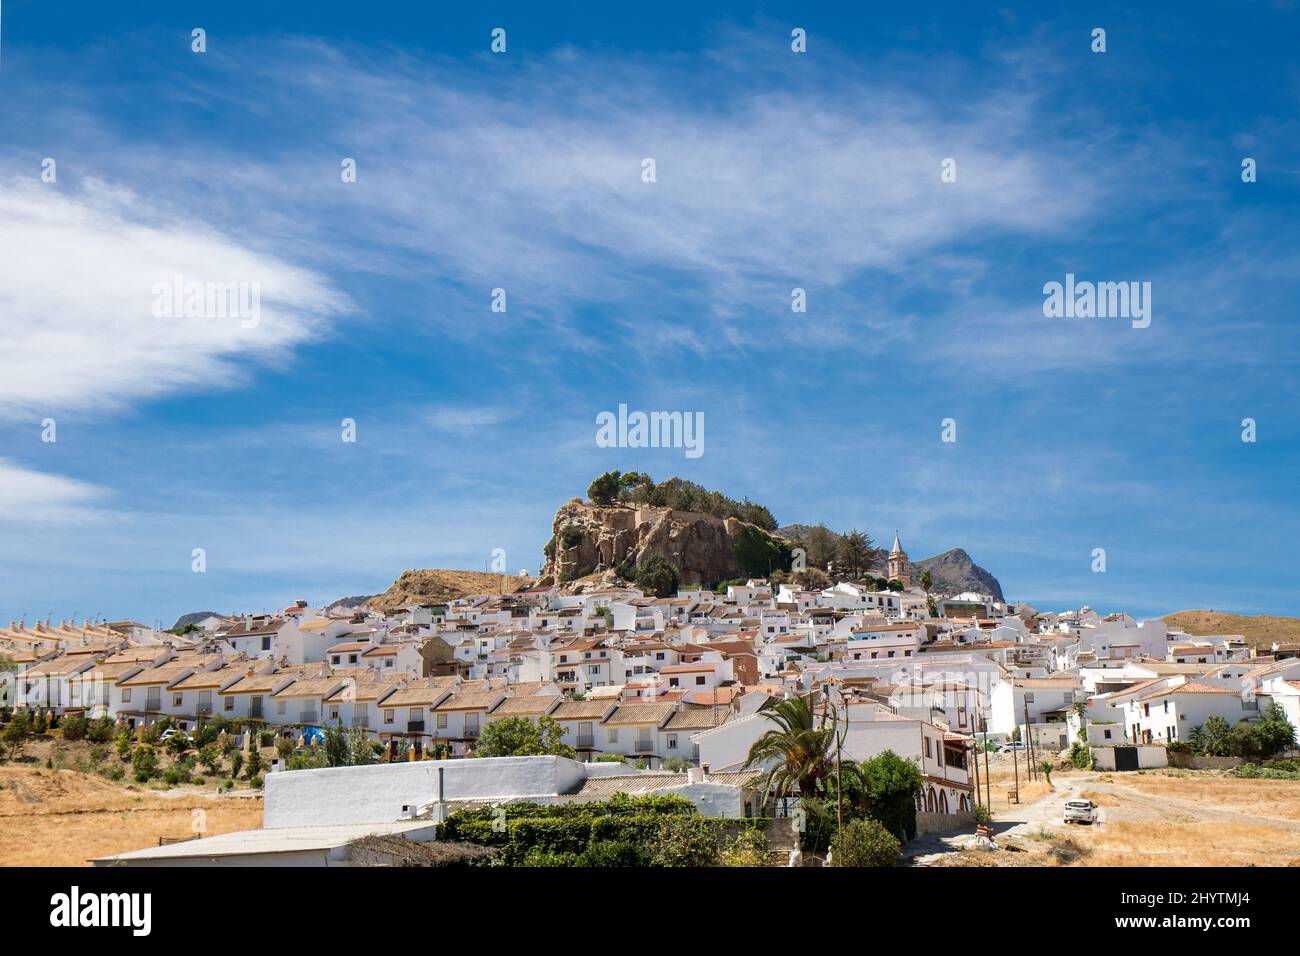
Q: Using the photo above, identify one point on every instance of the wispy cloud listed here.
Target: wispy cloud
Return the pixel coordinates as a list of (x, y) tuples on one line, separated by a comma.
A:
[(78, 290)]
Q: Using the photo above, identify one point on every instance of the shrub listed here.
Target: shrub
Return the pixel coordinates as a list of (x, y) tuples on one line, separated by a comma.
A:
[(254, 763), (98, 753), (144, 760), (864, 843), (177, 745), (609, 758), (749, 848), (236, 763), (172, 777), (613, 853), (74, 728), (255, 782), (114, 771), (141, 777), (124, 744), (210, 758), (283, 748), (100, 731), (199, 781), (1081, 756), (685, 841), (40, 723), (982, 814)]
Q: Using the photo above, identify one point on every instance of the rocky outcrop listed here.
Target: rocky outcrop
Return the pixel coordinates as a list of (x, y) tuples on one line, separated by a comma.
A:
[(432, 586), (953, 572), (590, 539)]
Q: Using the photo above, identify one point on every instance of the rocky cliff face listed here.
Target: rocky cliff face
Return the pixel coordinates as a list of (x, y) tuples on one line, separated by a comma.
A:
[(589, 539), (954, 572)]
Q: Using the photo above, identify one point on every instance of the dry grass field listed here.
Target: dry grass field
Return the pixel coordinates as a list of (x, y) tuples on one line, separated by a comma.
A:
[(1257, 629), (1155, 818), (65, 817)]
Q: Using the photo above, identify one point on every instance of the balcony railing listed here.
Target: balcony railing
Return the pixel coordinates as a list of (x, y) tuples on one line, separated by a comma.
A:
[(310, 717), (414, 726), (585, 742)]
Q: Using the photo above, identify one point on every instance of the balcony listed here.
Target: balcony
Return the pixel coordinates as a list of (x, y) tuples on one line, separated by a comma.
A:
[(645, 746), (415, 726), (310, 717), (586, 743)]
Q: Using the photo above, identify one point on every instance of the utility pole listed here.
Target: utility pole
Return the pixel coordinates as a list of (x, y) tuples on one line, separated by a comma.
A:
[(1029, 743), (1015, 767), (976, 756), (988, 777)]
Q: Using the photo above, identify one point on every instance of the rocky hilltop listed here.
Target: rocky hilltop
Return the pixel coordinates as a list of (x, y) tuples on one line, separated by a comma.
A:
[(435, 586), (591, 539), (954, 572)]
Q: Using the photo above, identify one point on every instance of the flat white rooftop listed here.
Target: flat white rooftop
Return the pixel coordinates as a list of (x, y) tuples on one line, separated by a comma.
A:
[(273, 840)]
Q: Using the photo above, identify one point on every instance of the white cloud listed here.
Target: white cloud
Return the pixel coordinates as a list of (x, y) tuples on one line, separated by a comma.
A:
[(35, 497), (77, 295)]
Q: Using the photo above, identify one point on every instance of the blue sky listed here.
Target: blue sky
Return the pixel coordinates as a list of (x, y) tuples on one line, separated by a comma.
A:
[(522, 171)]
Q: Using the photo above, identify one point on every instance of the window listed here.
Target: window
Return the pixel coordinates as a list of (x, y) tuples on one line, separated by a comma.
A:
[(613, 735), (230, 703), (442, 721), (388, 716), (417, 714), (334, 712), (672, 741), (266, 643), (279, 706), (1029, 697), (176, 699), (334, 659), (1107, 734), (126, 694), (699, 681), (352, 658), (388, 662), (927, 747)]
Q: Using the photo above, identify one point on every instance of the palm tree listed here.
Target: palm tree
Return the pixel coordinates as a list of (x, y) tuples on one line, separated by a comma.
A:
[(801, 745)]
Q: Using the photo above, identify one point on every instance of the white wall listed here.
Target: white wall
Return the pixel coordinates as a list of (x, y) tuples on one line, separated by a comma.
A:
[(376, 794)]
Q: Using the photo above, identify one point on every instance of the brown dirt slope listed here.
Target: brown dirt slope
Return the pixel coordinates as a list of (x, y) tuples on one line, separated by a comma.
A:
[(435, 586), (1257, 629)]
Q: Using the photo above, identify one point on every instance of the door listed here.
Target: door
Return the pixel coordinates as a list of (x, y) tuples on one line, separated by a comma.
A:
[(1126, 758)]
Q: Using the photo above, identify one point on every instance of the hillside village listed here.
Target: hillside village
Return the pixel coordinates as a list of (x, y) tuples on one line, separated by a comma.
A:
[(651, 695)]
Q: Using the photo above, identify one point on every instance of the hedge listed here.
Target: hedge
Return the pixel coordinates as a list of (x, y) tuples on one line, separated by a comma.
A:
[(617, 832)]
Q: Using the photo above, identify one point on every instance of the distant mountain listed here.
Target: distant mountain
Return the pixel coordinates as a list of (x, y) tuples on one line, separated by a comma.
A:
[(355, 600), (954, 572), (194, 617)]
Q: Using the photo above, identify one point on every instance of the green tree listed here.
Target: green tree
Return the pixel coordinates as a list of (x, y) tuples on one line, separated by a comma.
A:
[(604, 490), (812, 579), (820, 543), (337, 750), (1216, 732), (800, 745), (853, 554), (361, 748), (74, 727), (17, 734), (926, 581), (521, 737), (655, 575)]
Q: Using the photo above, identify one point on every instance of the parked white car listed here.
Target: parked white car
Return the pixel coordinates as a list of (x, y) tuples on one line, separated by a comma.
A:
[(1079, 811)]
